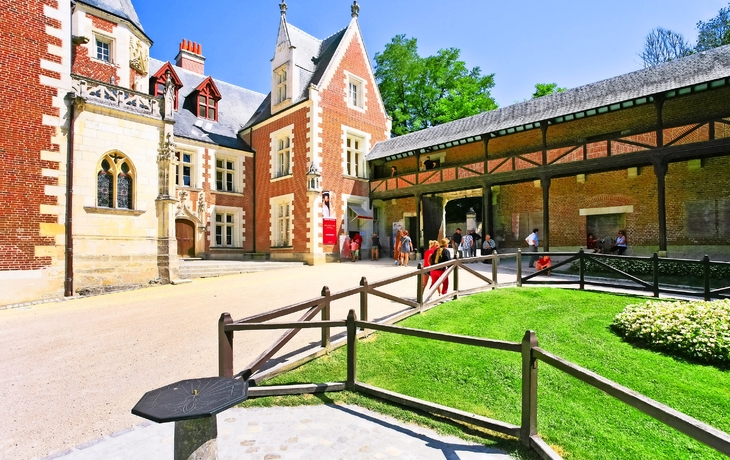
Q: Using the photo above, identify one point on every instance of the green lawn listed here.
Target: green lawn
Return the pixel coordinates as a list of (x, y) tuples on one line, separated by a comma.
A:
[(577, 420)]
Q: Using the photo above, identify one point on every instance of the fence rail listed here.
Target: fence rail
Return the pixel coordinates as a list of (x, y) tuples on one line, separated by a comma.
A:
[(528, 348)]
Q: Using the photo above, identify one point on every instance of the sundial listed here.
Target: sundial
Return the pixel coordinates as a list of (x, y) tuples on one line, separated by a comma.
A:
[(191, 399), (192, 405)]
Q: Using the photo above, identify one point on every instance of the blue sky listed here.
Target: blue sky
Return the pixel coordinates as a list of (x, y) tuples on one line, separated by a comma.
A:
[(524, 42)]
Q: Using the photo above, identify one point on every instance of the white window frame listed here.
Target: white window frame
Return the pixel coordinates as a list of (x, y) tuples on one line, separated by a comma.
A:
[(236, 172), (281, 84), (181, 164), (358, 100), (282, 224), (349, 153), (234, 228), (99, 38), (276, 165)]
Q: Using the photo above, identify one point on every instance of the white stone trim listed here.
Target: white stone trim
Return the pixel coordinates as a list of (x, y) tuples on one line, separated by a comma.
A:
[(238, 237), (366, 137), (273, 217), (362, 84), (607, 210), (287, 131)]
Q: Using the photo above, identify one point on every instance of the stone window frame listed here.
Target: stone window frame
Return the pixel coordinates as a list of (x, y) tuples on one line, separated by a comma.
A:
[(111, 47), (359, 85), (286, 133), (282, 224), (116, 161), (348, 134), (234, 227), (235, 180)]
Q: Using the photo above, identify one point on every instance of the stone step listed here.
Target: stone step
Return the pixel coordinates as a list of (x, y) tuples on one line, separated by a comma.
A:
[(211, 268)]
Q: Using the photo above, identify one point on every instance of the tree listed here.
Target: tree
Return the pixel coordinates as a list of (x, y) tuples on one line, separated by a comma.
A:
[(663, 45), (715, 32), (543, 89), (420, 92)]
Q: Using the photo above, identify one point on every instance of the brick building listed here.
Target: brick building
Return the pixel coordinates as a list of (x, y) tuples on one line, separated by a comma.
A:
[(647, 152), (121, 164)]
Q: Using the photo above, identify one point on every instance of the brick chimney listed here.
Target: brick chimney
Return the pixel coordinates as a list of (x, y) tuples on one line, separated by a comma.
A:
[(190, 57)]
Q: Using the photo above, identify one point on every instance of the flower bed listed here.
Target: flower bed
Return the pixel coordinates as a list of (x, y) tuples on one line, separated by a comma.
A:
[(694, 329), (645, 267)]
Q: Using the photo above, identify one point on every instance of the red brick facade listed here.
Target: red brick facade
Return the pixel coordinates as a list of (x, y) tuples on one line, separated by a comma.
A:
[(24, 43), (83, 64)]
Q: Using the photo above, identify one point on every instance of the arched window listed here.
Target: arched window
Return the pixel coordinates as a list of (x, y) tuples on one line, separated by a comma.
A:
[(115, 180)]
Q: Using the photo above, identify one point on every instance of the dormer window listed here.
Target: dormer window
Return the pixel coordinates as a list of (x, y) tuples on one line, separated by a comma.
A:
[(207, 100), (207, 107), (280, 77), (159, 80)]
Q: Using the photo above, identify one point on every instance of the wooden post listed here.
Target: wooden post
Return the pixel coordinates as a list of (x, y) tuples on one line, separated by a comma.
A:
[(660, 169), (351, 351), (529, 389), (364, 299), (326, 317), (495, 262), (456, 278), (419, 288), (655, 273), (225, 346), (706, 266), (519, 267), (582, 268)]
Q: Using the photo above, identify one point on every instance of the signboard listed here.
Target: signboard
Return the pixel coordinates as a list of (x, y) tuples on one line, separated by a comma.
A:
[(329, 227)]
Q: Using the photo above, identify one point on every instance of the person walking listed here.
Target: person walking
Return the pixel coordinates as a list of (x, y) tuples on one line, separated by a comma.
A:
[(432, 246), (406, 246), (439, 256), (532, 243), (396, 246)]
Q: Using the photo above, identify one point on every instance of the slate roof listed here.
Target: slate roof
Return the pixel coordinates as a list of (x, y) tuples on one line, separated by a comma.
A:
[(312, 58), (234, 109), (120, 8), (691, 70)]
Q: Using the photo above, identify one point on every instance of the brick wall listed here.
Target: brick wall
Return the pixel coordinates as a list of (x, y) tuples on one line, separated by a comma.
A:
[(83, 64), (25, 136)]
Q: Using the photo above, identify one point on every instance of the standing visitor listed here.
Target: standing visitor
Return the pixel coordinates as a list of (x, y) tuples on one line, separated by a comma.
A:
[(439, 256), (532, 243), (467, 244), (396, 246), (406, 246), (432, 246), (375, 247), (456, 241)]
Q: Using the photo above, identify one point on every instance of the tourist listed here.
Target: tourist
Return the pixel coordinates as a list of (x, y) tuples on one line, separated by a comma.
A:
[(467, 244), (375, 247), (592, 243), (543, 262), (357, 238), (441, 255), (532, 243), (396, 245), (406, 246), (621, 244), (488, 248), (432, 246), (354, 250), (456, 241)]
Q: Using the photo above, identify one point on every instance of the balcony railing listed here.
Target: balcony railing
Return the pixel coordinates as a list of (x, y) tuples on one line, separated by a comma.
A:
[(102, 94)]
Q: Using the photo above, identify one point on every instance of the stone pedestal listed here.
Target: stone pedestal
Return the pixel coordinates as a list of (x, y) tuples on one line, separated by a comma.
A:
[(196, 439)]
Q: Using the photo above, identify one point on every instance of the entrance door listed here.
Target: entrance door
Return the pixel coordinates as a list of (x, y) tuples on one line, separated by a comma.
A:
[(433, 214), (185, 234)]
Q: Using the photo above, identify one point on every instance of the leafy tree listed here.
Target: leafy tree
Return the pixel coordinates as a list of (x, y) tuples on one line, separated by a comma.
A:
[(543, 89), (420, 92), (663, 45), (715, 32)]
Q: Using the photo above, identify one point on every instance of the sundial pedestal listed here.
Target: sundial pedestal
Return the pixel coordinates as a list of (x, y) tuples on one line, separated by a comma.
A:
[(196, 439)]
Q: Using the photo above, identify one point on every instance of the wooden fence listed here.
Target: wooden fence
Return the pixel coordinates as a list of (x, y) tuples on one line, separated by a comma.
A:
[(424, 299)]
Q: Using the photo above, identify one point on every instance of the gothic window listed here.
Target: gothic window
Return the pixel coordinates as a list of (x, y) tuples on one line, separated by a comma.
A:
[(114, 182)]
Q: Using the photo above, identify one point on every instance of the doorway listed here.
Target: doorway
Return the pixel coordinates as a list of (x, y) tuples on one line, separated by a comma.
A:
[(185, 234)]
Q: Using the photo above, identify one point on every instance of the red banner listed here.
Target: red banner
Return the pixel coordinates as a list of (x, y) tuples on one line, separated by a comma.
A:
[(329, 225)]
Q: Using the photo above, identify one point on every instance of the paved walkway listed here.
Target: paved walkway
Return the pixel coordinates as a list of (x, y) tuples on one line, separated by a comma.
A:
[(307, 432)]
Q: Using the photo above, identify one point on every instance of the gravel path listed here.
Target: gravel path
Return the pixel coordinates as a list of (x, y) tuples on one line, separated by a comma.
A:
[(71, 371)]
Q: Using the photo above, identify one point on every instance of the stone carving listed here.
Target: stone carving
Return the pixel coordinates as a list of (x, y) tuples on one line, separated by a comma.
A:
[(355, 8), (202, 206), (165, 157), (283, 7), (167, 149), (182, 197), (169, 99), (138, 56)]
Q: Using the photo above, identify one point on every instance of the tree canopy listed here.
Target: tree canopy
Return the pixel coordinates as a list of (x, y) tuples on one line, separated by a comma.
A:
[(420, 92), (543, 89), (663, 45)]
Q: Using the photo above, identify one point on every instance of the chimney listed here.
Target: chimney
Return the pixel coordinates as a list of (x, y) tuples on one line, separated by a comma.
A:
[(190, 57)]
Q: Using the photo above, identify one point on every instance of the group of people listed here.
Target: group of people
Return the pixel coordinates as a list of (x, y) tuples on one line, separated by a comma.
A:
[(436, 253), (619, 247), (544, 261), (356, 244), (402, 248)]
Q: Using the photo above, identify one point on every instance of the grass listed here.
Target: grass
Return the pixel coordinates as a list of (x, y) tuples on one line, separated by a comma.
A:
[(577, 420)]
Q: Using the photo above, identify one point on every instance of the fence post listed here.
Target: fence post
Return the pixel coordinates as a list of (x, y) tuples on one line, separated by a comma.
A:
[(419, 288), (456, 278), (364, 299), (225, 346), (706, 266), (529, 389), (519, 267), (351, 351), (655, 273), (495, 263), (326, 317), (582, 268)]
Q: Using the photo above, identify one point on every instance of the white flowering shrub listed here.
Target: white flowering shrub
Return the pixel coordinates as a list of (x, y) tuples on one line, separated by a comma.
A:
[(695, 329)]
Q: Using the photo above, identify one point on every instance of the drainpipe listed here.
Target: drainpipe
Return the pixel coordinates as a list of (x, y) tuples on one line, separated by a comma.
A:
[(69, 281)]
